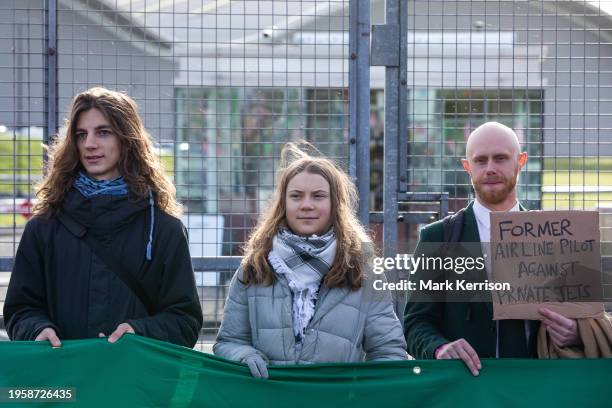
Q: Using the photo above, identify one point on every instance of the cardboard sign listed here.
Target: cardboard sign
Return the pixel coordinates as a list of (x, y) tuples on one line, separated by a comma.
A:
[(551, 259)]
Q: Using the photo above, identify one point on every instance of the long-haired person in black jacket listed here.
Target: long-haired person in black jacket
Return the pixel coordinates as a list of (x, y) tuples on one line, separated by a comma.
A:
[(105, 253)]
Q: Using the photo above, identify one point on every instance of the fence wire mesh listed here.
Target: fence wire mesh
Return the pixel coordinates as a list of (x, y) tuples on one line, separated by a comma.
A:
[(541, 67)]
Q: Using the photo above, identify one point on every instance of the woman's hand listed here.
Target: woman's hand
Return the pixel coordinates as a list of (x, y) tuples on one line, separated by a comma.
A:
[(119, 332), (49, 334), (257, 365)]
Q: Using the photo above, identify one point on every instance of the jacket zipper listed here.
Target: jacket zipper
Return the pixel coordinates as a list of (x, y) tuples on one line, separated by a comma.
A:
[(299, 343), (298, 351)]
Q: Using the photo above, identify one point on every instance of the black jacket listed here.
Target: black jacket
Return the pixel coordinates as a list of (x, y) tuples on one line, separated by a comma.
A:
[(58, 282)]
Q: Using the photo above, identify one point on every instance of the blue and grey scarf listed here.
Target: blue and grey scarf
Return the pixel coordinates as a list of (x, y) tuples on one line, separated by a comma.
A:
[(89, 187)]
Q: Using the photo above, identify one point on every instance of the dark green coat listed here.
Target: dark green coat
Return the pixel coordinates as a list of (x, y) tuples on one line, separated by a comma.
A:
[(427, 326)]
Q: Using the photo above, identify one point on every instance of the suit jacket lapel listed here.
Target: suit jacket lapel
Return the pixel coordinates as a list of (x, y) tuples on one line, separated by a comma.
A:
[(470, 227)]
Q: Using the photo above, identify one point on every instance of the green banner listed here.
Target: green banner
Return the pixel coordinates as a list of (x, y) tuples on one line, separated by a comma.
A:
[(140, 372)]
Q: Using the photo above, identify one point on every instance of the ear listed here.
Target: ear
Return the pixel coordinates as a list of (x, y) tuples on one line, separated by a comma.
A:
[(465, 165), (522, 159)]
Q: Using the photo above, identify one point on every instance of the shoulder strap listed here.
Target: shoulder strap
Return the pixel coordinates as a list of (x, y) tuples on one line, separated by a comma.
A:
[(106, 256), (453, 226)]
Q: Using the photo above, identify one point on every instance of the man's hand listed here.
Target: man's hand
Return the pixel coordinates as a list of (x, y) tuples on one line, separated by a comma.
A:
[(119, 331), (460, 349), (562, 330), (49, 334)]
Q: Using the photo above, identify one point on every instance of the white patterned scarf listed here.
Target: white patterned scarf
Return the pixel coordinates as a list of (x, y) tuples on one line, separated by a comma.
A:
[(303, 261)]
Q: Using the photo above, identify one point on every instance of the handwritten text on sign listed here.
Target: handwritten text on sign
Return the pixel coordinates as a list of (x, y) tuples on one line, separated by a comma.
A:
[(550, 258)]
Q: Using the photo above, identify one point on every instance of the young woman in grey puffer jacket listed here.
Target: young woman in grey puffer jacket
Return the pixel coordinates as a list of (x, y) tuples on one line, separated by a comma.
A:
[(303, 293)]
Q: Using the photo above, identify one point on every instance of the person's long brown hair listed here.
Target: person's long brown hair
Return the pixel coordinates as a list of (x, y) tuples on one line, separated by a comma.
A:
[(352, 239), (138, 163)]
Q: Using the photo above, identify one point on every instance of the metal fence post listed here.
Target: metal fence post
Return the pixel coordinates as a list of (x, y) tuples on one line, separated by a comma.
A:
[(395, 128), (50, 73), (359, 103)]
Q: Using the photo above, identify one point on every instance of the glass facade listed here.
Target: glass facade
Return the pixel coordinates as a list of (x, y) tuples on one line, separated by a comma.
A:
[(439, 123), (229, 141)]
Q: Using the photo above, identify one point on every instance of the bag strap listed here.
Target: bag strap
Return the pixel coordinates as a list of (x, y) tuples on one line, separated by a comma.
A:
[(453, 226), (109, 259)]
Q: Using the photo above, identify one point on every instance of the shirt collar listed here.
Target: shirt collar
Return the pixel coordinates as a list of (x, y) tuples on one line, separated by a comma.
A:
[(482, 213)]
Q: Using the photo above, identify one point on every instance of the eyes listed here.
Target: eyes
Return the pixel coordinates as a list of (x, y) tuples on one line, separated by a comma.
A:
[(498, 159), (316, 196), (104, 132)]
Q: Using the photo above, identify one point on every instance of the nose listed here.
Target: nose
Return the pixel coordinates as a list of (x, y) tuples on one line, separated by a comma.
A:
[(306, 204), (90, 142), (491, 167)]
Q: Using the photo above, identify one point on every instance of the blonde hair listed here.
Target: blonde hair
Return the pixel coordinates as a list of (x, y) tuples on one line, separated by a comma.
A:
[(138, 163), (352, 239)]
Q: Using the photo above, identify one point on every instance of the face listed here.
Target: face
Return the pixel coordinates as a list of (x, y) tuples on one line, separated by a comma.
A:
[(99, 148), (308, 204), (494, 164)]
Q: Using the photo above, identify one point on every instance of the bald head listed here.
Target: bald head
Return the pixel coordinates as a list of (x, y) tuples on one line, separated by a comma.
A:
[(492, 134), (493, 161)]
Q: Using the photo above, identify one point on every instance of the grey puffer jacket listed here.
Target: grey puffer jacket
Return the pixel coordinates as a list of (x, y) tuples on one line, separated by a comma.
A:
[(347, 326)]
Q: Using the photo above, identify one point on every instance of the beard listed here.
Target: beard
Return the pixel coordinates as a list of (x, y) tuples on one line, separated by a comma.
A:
[(499, 193)]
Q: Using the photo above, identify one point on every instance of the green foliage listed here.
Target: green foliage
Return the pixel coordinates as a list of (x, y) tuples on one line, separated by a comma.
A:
[(592, 163), (21, 163)]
